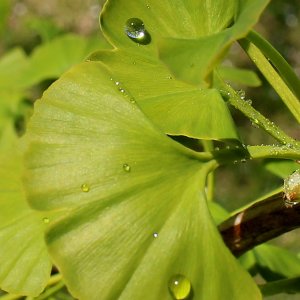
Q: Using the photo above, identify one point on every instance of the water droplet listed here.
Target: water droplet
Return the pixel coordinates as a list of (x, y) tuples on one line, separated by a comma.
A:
[(132, 100), (121, 90), (126, 168), (217, 149), (169, 77), (249, 101), (134, 62), (148, 6), (46, 220), (235, 162), (243, 160), (85, 188), (135, 30), (155, 235), (180, 287), (242, 94), (291, 189)]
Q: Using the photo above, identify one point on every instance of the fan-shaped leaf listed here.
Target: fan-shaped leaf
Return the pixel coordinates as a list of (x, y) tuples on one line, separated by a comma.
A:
[(134, 201), (25, 265)]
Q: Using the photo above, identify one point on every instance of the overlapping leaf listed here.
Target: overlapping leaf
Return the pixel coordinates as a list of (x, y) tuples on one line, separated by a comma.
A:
[(25, 264), (136, 210), (200, 26)]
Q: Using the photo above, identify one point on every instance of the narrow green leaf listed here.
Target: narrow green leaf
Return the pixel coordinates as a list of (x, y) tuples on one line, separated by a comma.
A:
[(288, 286), (25, 264), (134, 200)]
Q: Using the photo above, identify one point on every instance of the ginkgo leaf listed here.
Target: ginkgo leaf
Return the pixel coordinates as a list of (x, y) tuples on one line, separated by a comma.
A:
[(150, 78), (136, 218), (201, 54), (24, 260), (176, 107)]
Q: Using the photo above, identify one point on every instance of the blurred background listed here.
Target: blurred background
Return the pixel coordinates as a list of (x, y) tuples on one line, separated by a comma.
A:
[(29, 24)]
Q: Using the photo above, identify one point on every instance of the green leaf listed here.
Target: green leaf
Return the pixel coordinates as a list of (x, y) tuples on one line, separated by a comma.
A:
[(289, 286), (63, 52), (281, 168), (174, 106), (193, 58), (25, 264), (240, 76), (149, 80), (134, 200), (276, 262), (12, 67)]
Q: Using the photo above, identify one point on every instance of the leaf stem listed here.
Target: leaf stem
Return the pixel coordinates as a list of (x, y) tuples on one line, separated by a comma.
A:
[(210, 182), (272, 151), (258, 223), (256, 117), (272, 76)]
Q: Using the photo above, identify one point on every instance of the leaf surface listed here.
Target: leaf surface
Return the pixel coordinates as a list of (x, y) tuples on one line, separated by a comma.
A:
[(134, 200), (25, 263)]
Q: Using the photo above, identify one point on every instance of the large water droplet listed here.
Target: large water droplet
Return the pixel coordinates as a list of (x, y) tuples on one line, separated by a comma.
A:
[(126, 168), (180, 287), (85, 188), (135, 30)]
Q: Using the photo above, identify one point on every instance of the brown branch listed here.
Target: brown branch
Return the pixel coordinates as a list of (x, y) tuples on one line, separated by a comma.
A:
[(259, 223)]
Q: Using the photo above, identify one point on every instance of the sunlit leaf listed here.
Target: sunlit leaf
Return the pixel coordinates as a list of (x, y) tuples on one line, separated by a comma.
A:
[(25, 264), (134, 200), (193, 58)]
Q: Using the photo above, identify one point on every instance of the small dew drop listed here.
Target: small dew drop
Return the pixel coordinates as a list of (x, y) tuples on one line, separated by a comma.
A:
[(85, 188), (135, 30), (169, 77), (46, 220), (235, 162), (132, 100), (148, 6), (126, 168), (121, 90), (117, 83), (179, 287), (243, 160), (155, 235), (217, 149), (242, 94), (134, 62)]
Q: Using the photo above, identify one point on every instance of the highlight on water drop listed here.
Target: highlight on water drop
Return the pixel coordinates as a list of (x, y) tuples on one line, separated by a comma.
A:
[(46, 220), (85, 187), (126, 168), (135, 30), (180, 287)]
